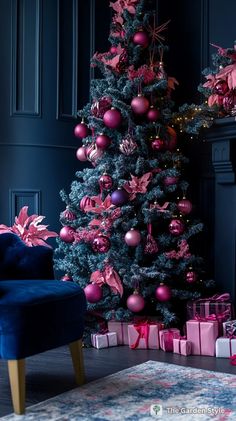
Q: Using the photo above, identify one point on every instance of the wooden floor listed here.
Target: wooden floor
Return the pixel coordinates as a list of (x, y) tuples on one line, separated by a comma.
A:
[(51, 373)]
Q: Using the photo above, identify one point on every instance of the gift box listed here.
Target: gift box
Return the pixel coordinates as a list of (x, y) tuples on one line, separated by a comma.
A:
[(104, 340), (144, 335), (202, 335), (182, 346), (225, 347), (229, 329), (217, 305), (121, 329), (166, 337)]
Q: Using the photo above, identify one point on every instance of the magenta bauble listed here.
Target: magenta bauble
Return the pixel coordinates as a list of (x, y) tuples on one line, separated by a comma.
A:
[(100, 106), (170, 180), (157, 144), (163, 293), (81, 153), (93, 293), (105, 182), (176, 227), (133, 237), (101, 244), (86, 201), (153, 114), (81, 130), (135, 302), (119, 197), (191, 276), (103, 141), (113, 49), (67, 234), (112, 118), (67, 278), (229, 100), (94, 153), (221, 87), (141, 38), (184, 206), (140, 105), (68, 214)]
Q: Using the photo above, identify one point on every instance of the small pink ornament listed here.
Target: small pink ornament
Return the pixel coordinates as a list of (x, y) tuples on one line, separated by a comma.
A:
[(170, 180), (128, 145), (103, 141), (105, 182), (101, 244), (81, 153), (68, 214), (191, 276), (133, 237), (176, 227), (67, 278), (112, 118), (86, 201), (93, 293), (100, 106), (135, 302), (153, 114), (94, 153), (151, 246), (163, 293), (185, 206), (140, 105), (229, 100), (141, 38), (158, 144), (113, 49), (81, 130), (67, 234), (221, 87)]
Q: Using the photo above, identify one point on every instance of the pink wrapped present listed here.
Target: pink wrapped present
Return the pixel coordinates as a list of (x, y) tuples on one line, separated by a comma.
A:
[(121, 329), (202, 335), (229, 329), (144, 335), (218, 306), (104, 340), (166, 337), (225, 347), (182, 346)]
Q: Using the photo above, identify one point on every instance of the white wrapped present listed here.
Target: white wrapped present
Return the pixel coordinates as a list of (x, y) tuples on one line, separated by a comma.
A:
[(225, 347), (104, 340)]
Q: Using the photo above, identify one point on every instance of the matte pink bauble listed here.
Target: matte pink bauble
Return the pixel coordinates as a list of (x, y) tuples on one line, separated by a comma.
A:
[(191, 276), (93, 293), (67, 278), (67, 234), (170, 180), (184, 206), (105, 182), (86, 201), (221, 87), (153, 114), (112, 118), (119, 197), (135, 302), (140, 105), (81, 153), (157, 144), (81, 130), (176, 227), (133, 237), (163, 293), (101, 244), (113, 49), (141, 38), (103, 141)]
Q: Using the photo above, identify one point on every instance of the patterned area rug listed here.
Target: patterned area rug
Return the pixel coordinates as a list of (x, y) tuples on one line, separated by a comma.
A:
[(148, 391)]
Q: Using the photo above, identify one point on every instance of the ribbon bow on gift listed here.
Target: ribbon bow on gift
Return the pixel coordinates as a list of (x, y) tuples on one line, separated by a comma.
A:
[(143, 331), (221, 317)]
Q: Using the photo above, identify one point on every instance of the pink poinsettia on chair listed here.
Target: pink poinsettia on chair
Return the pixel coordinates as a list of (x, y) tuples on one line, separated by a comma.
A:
[(28, 229)]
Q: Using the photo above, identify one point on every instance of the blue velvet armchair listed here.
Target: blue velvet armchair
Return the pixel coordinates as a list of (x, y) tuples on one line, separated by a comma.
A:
[(37, 312)]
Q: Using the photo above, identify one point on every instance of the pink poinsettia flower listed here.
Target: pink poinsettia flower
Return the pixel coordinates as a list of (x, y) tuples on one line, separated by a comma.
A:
[(214, 99), (211, 80), (137, 185), (29, 230), (228, 73), (110, 277), (100, 206), (171, 82), (144, 71)]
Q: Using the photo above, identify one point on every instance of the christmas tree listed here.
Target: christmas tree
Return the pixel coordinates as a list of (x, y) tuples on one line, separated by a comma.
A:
[(127, 235)]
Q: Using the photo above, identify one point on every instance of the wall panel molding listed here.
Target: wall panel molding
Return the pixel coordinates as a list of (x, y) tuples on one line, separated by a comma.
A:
[(92, 21), (26, 58), (36, 145), (24, 197)]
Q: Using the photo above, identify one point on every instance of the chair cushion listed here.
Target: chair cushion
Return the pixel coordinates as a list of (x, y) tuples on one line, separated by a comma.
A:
[(19, 261), (37, 315)]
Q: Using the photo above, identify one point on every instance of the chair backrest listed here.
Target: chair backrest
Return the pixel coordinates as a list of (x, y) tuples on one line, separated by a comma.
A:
[(18, 261)]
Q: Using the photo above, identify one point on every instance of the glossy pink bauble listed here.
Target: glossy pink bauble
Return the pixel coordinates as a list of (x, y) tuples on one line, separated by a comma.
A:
[(140, 105), (135, 303), (119, 197), (113, 49), (94, 153), (93, 293), (68, 214), (100, 106), (103, 141), (101, 244), (153, 114), (176, 227), (157, 144), (170, 180), (221, 87), (163, 293), (191, 276), (105, 182), (185, 206), (86, 201), (112, 118), (81, 130), (141, 38), (133, 238), (67, 234), (67, 278), (81, 153)]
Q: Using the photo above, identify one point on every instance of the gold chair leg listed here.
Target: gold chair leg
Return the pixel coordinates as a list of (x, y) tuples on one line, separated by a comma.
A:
[(16, 371), (78, 360)]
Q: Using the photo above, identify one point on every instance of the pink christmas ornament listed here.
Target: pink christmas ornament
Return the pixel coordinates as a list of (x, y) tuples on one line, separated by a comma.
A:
[(191, 276), (185, 206), (141, 38), (93, 293), (86, 201), (135, 302), (100, 106), (133, 237), (163, 293), (81, 153), (101, 244), (140, 105), (221, 87), (153, 114), (229, 101), (157, 144), (112, 118), (128, 145), (113, 49), (94, 153), (68, 214), (176, 227), (67, 234), (170, 180), (103, 141), (105, 182), (81, 130), (67, 278)]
